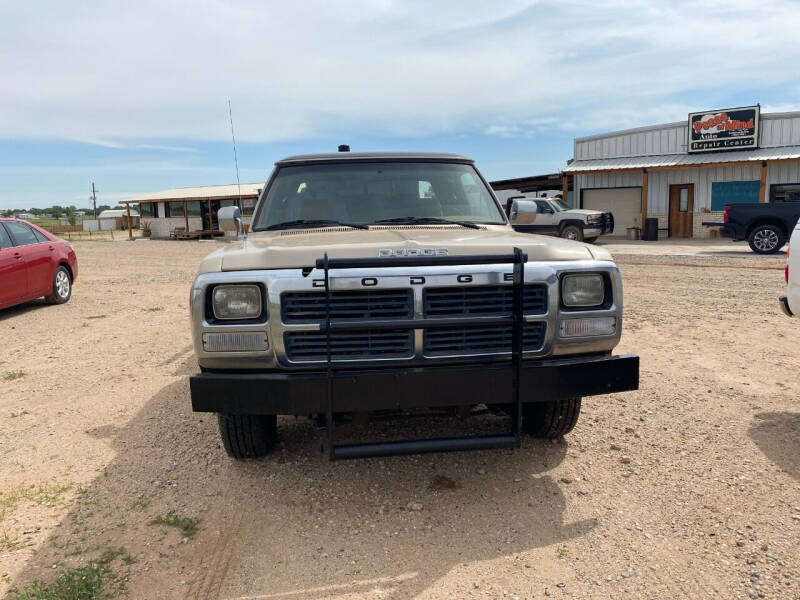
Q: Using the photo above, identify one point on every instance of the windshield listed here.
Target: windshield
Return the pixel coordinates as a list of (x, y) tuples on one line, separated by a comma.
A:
[(559, 205), (364, 193)]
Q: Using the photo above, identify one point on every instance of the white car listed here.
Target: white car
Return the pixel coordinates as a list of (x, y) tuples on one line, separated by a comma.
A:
[(790, 303)]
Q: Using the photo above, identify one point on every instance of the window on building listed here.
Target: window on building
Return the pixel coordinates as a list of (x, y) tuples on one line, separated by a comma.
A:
[(193, 208), (684, 200), (733, 192), (247, 206), (146, 209), (785, 192), (174, 209)]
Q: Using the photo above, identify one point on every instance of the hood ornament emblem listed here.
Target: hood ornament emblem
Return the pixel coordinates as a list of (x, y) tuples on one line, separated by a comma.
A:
[(402, 252)]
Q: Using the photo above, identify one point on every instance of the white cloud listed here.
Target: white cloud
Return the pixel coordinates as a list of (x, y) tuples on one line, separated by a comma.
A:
[(116, 72)]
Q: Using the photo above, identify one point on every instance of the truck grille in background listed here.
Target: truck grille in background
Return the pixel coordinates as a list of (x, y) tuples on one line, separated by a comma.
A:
[(368, 344), (485, 339), (309, 307), (482, 300)]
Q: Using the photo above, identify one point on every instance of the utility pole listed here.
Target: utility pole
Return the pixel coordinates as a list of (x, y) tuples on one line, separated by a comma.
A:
[(94, 200)]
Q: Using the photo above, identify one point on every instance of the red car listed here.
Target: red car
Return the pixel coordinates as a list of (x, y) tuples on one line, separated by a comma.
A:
[(34, 263)]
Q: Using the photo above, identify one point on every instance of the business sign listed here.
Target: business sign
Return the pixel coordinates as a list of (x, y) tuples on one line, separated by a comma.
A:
[(720, 130)]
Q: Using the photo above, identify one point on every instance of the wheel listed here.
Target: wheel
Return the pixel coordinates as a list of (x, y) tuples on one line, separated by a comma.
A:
[(248, 436), (590, 240), (766, 239), (572, 232), (62, 286), (551, 419)]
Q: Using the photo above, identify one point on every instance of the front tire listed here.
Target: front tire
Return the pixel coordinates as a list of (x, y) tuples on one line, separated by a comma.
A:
[(766, 239), (248, 436), (572, 232), (62, 286), (551, 419)]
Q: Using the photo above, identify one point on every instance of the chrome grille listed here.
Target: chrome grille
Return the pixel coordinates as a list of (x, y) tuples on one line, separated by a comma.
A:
[(309, 307), (484, 339), (482, 300), (383, 343)]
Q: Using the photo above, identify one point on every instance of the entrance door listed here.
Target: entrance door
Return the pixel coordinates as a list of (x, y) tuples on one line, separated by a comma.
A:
[(681, 208), (213, 224)]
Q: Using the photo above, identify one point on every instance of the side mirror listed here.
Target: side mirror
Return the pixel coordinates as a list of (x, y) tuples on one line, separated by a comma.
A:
[(523, 212), (230, 219)]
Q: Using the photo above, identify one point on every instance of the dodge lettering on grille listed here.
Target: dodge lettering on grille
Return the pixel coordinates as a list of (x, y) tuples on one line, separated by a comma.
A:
[(392, 252)]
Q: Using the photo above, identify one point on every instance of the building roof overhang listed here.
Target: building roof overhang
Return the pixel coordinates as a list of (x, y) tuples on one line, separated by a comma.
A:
[(683, 161)]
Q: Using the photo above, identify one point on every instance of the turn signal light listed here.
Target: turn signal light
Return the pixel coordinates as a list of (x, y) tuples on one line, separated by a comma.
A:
[(588, 327)]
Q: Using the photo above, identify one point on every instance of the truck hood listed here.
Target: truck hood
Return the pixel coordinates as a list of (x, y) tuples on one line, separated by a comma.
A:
[(295, 248), (583, 211)]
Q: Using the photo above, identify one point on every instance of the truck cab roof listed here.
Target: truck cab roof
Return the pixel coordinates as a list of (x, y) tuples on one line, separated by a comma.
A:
[(335, 157)]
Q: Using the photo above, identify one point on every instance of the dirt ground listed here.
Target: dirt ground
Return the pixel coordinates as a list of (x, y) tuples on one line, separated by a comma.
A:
[(687, 488)]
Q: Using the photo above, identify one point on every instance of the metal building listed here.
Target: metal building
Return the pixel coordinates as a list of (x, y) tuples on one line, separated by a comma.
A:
[(685, 173)]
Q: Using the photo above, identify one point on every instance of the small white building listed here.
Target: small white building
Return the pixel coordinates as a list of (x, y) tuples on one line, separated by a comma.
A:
[(685, 173), (117, 218)]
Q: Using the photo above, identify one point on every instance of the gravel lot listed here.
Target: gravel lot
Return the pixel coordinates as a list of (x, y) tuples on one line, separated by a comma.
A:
[(688, 488)]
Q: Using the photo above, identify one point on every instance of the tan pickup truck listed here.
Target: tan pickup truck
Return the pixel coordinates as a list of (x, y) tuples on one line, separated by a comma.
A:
[(393, 282)]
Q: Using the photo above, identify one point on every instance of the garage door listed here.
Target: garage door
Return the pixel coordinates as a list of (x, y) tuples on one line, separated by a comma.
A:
[(624, 203)]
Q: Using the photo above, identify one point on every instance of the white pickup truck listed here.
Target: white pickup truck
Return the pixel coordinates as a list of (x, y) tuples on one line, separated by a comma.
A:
[(550, 216), (790, 303)]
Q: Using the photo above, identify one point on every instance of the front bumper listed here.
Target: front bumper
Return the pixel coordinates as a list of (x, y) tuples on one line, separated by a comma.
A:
[(785, 306), (304, 393)]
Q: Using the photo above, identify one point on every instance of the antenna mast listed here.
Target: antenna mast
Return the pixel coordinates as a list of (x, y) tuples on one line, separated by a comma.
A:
[(235, 158)]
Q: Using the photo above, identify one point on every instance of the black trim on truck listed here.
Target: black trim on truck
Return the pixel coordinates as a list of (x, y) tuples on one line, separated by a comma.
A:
[(305, 393)]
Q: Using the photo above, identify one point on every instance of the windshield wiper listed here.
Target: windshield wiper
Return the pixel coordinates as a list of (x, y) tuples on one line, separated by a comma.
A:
[(313, 223), (423, 220)]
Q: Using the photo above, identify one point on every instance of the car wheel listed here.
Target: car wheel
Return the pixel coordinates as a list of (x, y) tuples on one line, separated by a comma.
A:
[(766, 239), (572, 232), (590, 240), (248, 436), (551, 419), (62, 286)]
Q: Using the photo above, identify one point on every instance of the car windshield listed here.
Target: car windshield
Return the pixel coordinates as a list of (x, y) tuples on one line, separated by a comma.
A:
[(558, 204), (364, 193)]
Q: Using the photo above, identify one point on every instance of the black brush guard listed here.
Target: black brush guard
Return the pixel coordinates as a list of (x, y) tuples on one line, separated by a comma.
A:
[(516, 318)]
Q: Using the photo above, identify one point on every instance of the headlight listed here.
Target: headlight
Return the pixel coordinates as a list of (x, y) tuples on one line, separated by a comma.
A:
[(236, 302), (583, 290), (595, 218)]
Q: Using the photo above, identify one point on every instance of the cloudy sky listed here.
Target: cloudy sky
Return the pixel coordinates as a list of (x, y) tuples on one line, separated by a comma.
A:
[(133, 95)]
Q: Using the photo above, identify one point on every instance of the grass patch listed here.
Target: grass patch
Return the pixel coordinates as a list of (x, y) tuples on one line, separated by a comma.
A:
[(12, 375), (561, 552), (95, 581), (140, 503), (8, 544), (83, 583), (110, 554), (186, 525), (45, 494), (155, 309)]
